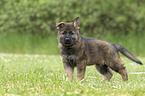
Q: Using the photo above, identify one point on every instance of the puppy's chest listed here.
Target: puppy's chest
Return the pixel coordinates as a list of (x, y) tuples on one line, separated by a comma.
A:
[(70, 55), (68, 52)]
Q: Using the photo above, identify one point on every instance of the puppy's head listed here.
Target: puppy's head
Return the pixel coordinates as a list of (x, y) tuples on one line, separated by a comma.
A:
[(68, 33)]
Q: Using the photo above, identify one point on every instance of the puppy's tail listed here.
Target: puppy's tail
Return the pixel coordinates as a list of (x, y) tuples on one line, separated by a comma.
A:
[(126, 53)]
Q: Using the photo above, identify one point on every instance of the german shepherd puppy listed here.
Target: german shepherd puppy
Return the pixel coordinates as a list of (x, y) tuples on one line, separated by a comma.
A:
[(78, 51)]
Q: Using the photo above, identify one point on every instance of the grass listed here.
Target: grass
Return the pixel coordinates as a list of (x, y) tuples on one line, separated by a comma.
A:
[(28, 43), (14, 42), (44, 75)]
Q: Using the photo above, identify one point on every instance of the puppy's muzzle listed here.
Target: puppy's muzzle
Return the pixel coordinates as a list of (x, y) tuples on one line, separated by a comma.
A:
[(67, 40)]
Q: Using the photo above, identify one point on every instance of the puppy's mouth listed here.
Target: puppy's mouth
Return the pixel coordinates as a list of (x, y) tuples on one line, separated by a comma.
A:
[(67, 44)]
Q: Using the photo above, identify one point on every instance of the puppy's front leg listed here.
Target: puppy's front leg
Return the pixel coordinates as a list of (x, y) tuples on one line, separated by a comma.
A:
[(69, 69), (81, 71)]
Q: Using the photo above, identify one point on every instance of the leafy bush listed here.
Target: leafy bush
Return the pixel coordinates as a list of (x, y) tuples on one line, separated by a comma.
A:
[(97, 16)]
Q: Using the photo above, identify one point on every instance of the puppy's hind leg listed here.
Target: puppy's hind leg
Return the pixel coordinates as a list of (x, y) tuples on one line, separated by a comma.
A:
[(119, 68), (105, 71)]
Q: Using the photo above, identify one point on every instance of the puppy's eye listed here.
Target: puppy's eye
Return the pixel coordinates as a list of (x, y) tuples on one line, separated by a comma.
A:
[(64, 32), (72, 33)]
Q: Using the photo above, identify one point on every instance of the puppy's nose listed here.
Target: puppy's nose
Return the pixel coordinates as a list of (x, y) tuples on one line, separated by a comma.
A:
[(67, 39)]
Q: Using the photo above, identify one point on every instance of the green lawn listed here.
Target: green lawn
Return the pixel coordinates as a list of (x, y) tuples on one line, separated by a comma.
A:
[(44, 75)]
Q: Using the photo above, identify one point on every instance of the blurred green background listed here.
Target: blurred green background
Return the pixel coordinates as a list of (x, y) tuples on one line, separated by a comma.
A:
[(28, 26)]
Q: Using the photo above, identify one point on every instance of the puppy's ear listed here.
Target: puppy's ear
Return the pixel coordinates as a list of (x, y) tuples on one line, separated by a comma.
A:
[(76, 23), (59, 25)]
